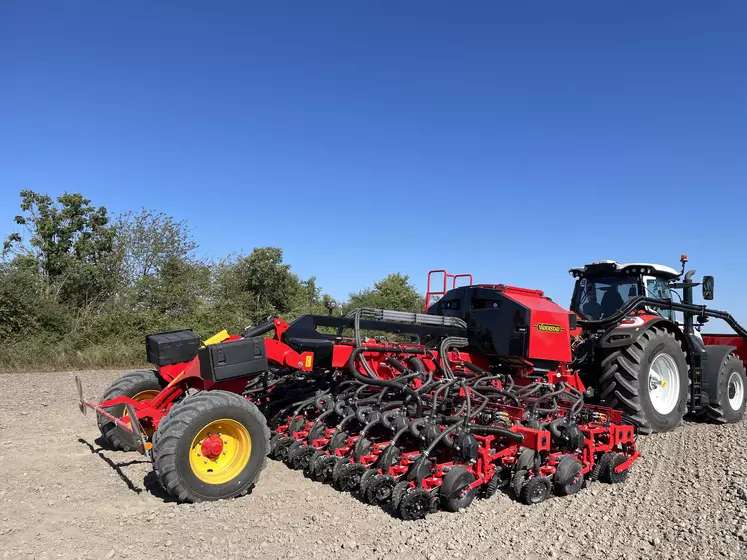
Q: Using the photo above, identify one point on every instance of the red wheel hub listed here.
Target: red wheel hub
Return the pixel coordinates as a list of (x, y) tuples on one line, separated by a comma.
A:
[(212, 447)]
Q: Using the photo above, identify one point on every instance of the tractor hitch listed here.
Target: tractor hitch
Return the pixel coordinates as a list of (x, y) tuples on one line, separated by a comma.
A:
[(141, 442)]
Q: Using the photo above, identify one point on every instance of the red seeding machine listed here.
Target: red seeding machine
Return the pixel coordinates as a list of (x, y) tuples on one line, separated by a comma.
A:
[(493, 388)]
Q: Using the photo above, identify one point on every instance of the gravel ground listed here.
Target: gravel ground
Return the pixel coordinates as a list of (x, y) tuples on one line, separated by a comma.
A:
[(61, 496)]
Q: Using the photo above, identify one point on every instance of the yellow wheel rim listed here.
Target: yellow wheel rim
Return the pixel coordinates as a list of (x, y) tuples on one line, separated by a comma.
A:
[(220, 452), (140, 397)]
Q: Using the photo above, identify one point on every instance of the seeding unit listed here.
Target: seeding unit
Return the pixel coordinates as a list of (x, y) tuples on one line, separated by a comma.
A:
[(413, 411)]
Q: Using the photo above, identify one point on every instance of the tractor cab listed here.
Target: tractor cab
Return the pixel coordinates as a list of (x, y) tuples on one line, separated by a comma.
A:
[(602, 288)]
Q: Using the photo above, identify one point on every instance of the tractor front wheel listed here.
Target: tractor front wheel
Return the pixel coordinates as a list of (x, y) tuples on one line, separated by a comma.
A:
[(648, 381), (211, 446)]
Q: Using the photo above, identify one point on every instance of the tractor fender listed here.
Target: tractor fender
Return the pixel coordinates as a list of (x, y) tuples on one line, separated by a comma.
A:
[(713, 359), (625, 335)]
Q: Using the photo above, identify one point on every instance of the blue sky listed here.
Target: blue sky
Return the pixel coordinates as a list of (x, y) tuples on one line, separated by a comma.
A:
[(512, 140)]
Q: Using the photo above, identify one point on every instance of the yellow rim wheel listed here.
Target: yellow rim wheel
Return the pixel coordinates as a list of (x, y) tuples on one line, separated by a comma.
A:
[(140, 397), (220, 452)]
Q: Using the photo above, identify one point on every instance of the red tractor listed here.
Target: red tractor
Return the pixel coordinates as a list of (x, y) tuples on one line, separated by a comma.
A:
[(639, 348)]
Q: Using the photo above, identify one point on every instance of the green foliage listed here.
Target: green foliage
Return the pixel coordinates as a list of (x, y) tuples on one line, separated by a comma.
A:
[(77, 292), (147, 241), (69, 243), (393, 292)]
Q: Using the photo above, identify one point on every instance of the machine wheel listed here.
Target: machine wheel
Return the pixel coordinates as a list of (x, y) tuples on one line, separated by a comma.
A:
[(295, 446), (340, 462), (323, 467), (365, 481), (213, 446), (282, 446), (398, 491), (349, 477), (568, 478), (415, 504), (139, 385), (732, 392), (454, 492), (535, 490), (518, 481), (362, 447), (526, 461), (298, 456), (500, 479), (389, 457), (381, 489), (648, 381), (607, 465), (310, 469)]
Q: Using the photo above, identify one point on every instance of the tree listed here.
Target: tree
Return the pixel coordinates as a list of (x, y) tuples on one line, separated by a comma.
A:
[(69, 243), (393, 292), (260, 284), (148, 240), (177, 290)]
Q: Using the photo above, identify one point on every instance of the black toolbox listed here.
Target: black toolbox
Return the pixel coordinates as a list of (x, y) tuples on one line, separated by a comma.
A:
[(233, 359), (173, 347)]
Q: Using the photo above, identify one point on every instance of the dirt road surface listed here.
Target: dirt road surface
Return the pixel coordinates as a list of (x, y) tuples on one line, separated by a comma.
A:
[(62, 496)]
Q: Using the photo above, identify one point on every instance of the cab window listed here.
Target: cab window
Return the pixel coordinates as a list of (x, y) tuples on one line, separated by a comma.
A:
[(658, 288), (597, 298)]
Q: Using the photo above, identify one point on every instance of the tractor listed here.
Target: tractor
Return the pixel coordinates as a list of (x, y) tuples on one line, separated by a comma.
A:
[(633, 354), (495, 387)]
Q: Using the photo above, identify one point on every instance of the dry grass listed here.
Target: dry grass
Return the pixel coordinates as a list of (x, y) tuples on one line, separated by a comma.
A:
[(35, 355)]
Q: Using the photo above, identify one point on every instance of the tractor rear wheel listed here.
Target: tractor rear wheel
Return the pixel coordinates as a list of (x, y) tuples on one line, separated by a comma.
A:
[(732, 392), (138, 385), (211, 446), (648, 381)]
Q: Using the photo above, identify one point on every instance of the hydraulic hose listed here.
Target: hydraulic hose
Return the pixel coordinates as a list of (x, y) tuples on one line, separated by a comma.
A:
[(259, 330), (634, 303), (443, 352), (501, 392), (496, 431), (373, 380)]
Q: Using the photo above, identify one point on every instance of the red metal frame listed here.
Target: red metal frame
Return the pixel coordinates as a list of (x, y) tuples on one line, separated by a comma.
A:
[(454, 278)]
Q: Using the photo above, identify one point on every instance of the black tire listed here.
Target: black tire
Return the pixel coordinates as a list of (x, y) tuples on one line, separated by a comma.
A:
[(365, 482), (452, 491), (625, 377), (350, 477), (526, 460), (568, 478), (310, 469), (380, 489), (282, 446), (607, 465), (323, 467), (337, 469), (500, 479), (389, 457), (129, 385), (294, 447), (535, 490), (397, 492), (298, 458), (517, 482), (731, 379), (415, 504), (181, 427)]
